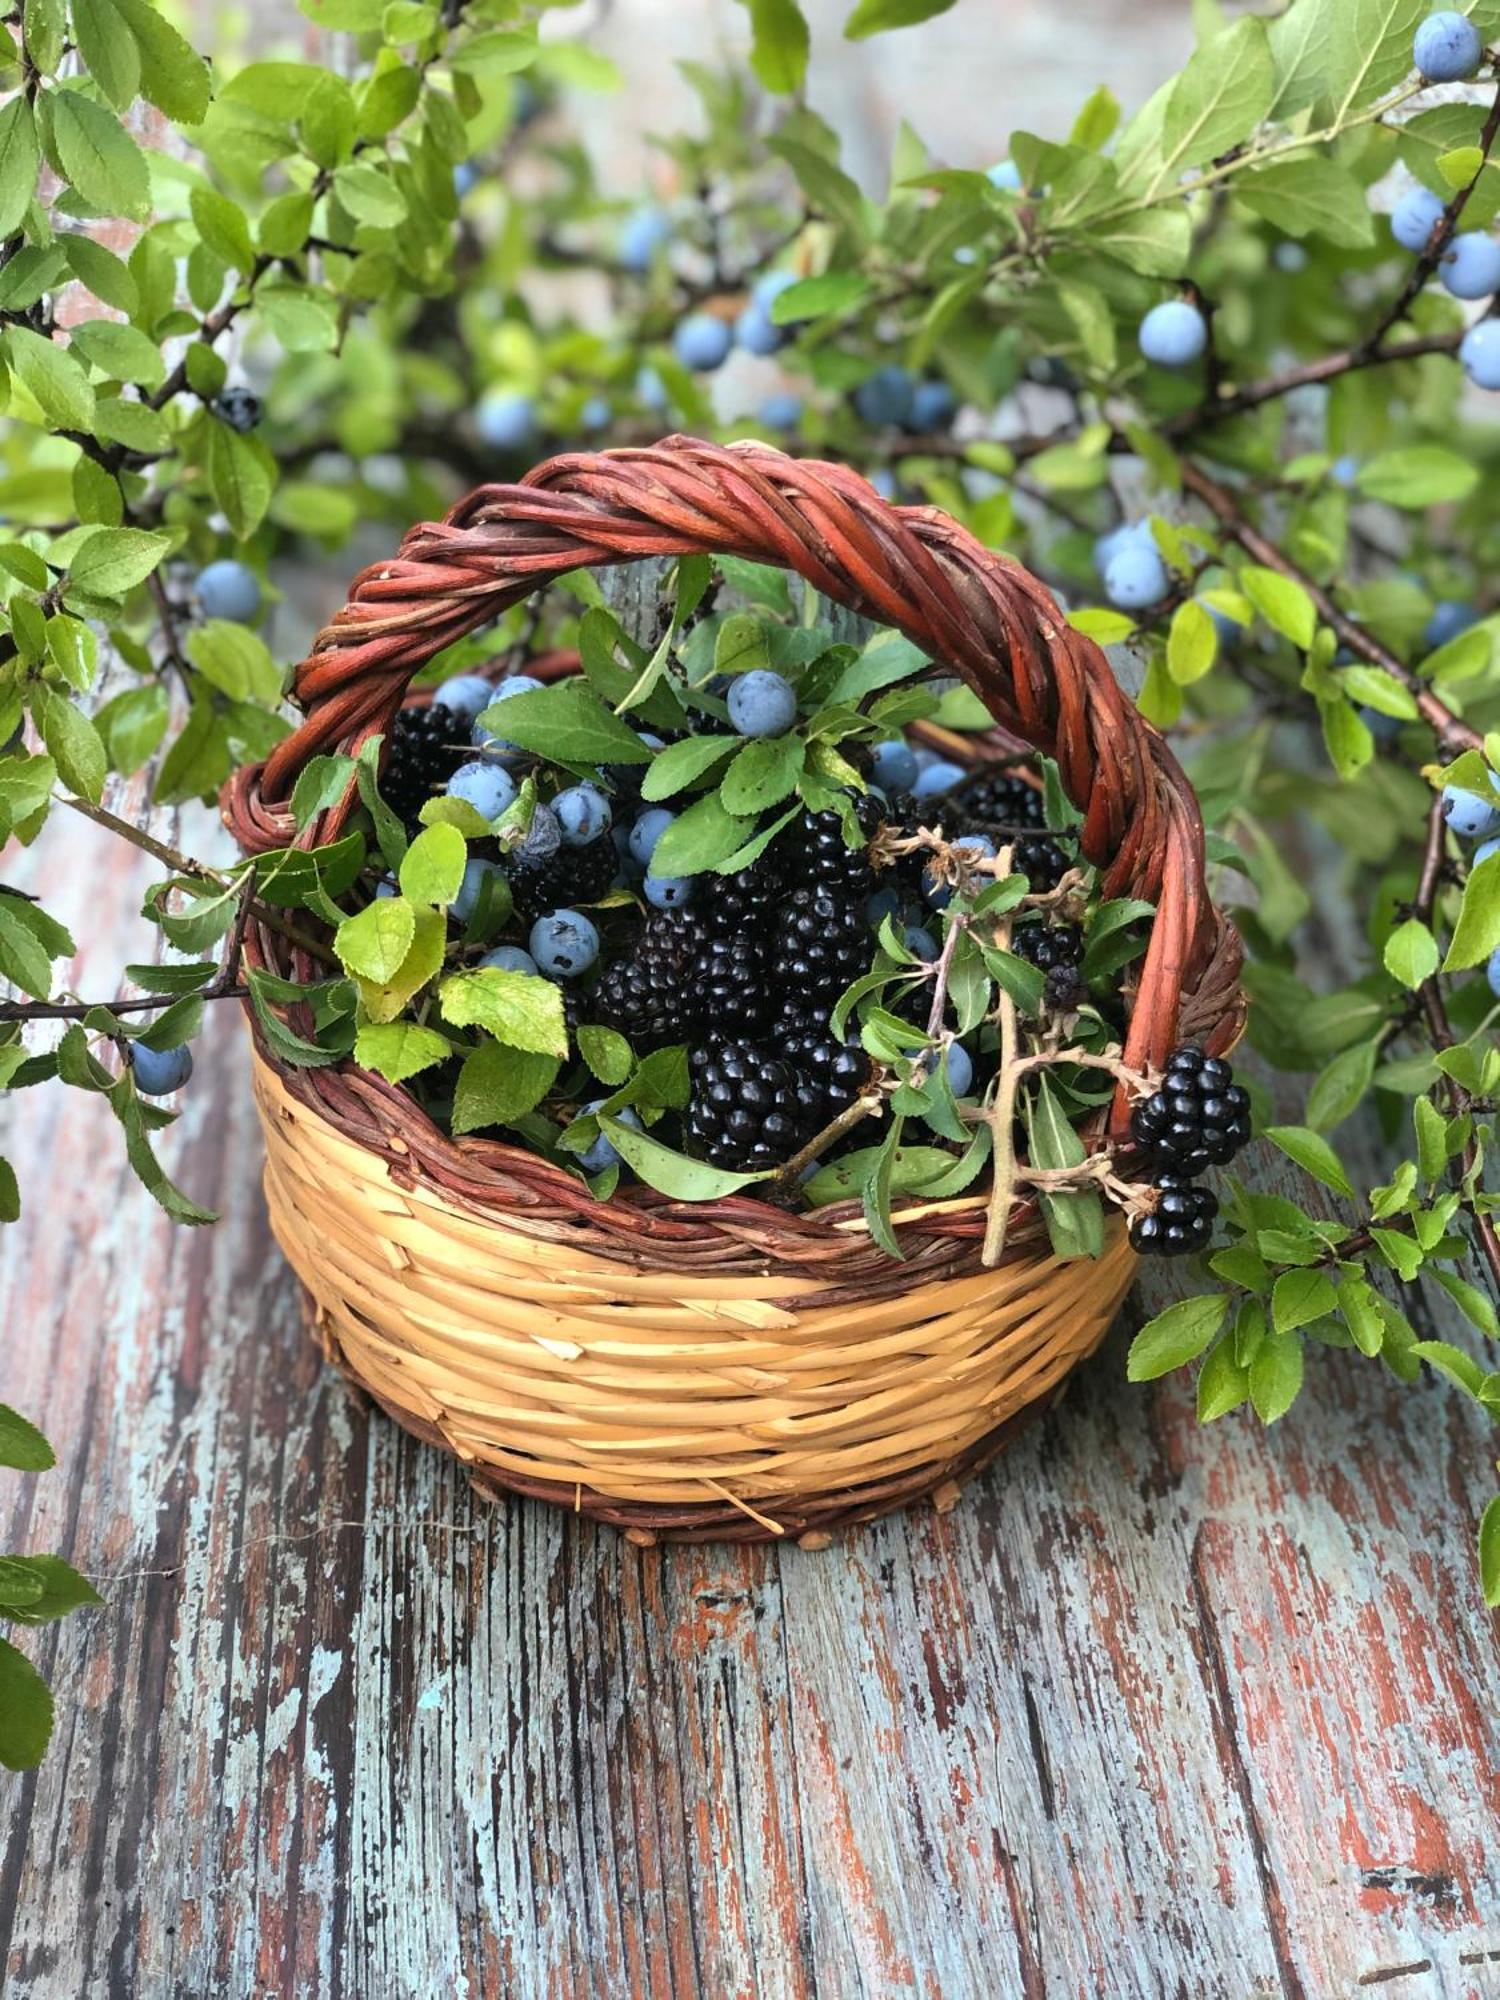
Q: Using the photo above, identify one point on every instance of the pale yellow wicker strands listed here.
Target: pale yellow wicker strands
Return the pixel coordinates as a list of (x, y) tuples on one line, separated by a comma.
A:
[(536, 1360)]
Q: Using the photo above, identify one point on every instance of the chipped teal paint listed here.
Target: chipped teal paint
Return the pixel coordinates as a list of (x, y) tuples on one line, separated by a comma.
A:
[(1153, 1711)]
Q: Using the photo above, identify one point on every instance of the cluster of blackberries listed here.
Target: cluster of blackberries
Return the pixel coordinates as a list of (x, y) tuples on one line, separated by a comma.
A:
[(1057, 951), (1002, 802), (425, 746), (747, 978), (1200, 1118)]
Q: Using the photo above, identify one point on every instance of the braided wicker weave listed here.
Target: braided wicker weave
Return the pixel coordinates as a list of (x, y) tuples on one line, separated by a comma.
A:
[(721, 1370)]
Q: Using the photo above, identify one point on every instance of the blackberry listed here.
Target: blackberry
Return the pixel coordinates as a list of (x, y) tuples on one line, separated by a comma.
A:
[(1065, 989), (1199, 1118), (648, 996), (838, 1070), (1182, 1221), (1039, 858), (238, 407), (745, 901), (1000, 797), (821, 943), (1048, 946), (749, 1110), (565, 878), (422, 753), (827, 856), (728, 985)]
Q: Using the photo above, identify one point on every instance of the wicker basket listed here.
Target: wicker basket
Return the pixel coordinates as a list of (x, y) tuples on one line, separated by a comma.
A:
[(726, 1370)]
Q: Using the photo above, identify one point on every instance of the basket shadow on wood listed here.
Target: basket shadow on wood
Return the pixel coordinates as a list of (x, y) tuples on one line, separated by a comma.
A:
[(726, 1369)]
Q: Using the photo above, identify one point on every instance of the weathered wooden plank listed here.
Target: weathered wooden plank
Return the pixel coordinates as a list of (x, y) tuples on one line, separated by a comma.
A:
[(1153, 1711)]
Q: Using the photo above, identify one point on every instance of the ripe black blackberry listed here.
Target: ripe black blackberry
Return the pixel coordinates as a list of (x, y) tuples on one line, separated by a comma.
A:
[(999, 797), (564, 879), (826, 855), (1039, 858), (821, 943), (422, 753), (1047, 946), (1199, 1118), (648, 996), (838, 1070), (729, 987), (749, 1110), (1181, 1223), (745, 901), (1065, 988)]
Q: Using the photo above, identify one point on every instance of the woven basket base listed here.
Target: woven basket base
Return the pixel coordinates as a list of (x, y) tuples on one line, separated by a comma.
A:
[(745, 1403)]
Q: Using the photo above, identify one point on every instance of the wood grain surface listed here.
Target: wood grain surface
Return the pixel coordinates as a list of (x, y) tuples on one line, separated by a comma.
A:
[(1154, 1711)]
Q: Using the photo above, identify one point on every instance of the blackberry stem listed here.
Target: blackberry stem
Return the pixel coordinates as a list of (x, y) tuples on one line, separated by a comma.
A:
[(1003, 1110), (870, 1100)]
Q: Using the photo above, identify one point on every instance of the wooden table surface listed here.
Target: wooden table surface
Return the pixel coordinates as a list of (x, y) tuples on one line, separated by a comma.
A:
[(1155, 1711)]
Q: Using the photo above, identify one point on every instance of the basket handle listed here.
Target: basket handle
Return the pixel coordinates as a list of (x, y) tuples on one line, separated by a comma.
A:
[(913, 568)]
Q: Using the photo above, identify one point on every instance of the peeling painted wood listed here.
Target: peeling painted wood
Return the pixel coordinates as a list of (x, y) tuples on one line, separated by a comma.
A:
[(1153, 1711)]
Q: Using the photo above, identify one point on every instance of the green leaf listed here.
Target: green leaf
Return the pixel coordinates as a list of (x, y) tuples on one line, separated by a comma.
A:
[(828, 188), (1313, 1154), (872, 17), (567, 722), (397, 1050), (1285, 605), (223, 226), (58, 1590), (1309, 196), (109, 50), (22, 1446), (1224, 92), (72, 741), (24, 959), (373, 943), (701, 837), (174, 77), (825, 297), (1489, 1552), (99, 156), (1300, 1296), (668, 1172), (114, 560), (241, 476), (433, 867), (1176, 1336), (763, 774), (1192, 643), (1417, 476), (1276, 1373), (370, 196), (1477, 932), (236, 660), (121, 352), (676, 767), (778, 45), (606, 1053), (19, 161), (1156, 242), (52, 377), (1223, 1384), (518, 1008), (497, 1085), (1411, 953), (1340, 1086), (25, 1711), (1477, 1307)]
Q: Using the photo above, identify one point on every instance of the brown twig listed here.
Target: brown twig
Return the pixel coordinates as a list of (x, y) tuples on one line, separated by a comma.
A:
[(1453, 734), (182, 864)]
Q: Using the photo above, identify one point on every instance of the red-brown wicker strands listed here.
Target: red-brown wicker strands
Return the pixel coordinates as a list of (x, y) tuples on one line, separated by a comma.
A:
[(909, 567)]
